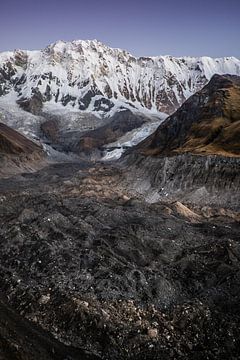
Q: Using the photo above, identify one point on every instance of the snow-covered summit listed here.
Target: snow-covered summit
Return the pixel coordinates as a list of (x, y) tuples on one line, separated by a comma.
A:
[(86, 75)]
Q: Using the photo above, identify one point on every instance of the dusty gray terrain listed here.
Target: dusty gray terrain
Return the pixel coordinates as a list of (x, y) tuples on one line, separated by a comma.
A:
[(112, 276), (211, 180)]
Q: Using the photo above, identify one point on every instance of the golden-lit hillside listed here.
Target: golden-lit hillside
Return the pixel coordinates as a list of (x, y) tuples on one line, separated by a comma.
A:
[(207, 123)]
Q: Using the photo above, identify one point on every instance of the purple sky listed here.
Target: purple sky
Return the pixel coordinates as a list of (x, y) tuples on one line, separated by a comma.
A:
[(149, 27)]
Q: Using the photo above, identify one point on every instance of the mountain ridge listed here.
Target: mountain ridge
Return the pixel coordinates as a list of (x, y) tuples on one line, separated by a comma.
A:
[(207, 123), (90, 76)]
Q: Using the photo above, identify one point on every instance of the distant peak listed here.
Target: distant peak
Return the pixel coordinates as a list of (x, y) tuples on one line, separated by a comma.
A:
[(76, 45)]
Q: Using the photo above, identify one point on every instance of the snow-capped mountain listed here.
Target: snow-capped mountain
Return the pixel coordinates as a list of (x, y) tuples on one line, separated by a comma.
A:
[(90, 76)]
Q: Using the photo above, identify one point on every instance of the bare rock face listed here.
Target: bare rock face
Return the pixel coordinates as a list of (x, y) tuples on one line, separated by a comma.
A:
[(7, 71), (33, 104)]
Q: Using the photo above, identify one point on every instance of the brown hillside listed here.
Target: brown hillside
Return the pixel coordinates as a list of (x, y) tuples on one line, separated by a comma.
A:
[(207, 123), (12, 142)]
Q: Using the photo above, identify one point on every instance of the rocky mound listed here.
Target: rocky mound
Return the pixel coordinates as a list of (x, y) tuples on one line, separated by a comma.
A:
[(121, 123), (207, 123)]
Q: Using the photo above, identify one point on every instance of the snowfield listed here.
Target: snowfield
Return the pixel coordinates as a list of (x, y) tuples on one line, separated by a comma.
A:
[(90, 76)]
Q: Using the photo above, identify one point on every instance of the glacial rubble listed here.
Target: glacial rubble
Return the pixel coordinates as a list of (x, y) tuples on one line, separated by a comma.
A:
[(111, 276)]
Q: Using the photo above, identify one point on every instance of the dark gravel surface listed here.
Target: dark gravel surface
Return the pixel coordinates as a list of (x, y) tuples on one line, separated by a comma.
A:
[(117, 277)]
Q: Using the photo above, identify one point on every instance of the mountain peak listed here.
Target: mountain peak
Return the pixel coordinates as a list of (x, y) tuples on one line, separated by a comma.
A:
[(86, 75), (75, 45), (207, 123)]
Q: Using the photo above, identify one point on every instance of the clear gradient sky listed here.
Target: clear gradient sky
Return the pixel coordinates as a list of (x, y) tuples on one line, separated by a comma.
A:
[(149, 27)]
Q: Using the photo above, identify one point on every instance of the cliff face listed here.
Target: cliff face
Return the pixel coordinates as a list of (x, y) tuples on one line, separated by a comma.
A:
[(203, 180), (90, 76)]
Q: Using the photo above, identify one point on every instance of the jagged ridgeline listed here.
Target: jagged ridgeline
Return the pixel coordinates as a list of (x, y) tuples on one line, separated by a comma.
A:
[(90, 76)]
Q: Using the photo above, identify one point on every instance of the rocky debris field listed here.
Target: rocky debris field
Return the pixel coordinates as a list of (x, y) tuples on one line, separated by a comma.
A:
[(89, 271)]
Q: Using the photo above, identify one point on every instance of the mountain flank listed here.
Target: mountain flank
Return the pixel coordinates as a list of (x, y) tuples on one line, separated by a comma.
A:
[(207, 123)]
